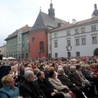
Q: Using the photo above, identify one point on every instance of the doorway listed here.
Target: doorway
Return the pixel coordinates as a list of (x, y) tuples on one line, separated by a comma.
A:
[(96, 52)]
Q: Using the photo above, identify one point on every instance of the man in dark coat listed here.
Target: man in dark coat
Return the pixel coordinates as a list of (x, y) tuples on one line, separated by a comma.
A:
[(77, 80), (88, 75), (48, 89), (66, 81), (30, 88)]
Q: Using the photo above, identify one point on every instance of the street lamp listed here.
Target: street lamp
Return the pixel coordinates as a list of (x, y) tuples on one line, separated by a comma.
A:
[(69, 48), (39, 53)]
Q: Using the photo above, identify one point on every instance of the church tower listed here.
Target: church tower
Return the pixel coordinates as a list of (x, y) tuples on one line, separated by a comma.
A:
[(51, 11), (95, 12)]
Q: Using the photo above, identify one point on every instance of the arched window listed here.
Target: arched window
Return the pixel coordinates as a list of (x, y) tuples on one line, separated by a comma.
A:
[(33, 39), (41, 46)]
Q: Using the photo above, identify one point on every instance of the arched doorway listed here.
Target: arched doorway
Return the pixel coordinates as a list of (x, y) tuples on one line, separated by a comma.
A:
[(96, 52)]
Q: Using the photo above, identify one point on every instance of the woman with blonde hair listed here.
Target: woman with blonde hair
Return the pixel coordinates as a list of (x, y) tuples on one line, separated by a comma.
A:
[(9, 90)]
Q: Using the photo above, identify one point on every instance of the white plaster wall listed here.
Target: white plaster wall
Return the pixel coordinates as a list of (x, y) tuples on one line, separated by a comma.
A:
[(85, 50)]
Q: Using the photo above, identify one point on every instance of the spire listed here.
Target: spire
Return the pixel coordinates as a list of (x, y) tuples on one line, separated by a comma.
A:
[(95, 6), (95, 12), (51, 12), (51, 5), (40, 9)]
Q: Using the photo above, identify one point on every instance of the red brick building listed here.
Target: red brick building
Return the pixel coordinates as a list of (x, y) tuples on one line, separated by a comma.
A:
[(39, 46)]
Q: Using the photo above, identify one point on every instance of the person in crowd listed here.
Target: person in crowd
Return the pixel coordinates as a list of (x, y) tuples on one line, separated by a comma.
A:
[(46, 71), (84, 80), (9, 90), (42, 67), (66, 81), (94, 69), (59, 86), (36, 70), (47, 88), (29, 88), (21, 74), (66, 69), (77, 80), (89, 75)]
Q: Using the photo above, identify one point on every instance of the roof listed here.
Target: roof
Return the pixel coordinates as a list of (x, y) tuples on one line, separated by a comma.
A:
[(44, 21), (24, 29), (79, 23), (3, 46)]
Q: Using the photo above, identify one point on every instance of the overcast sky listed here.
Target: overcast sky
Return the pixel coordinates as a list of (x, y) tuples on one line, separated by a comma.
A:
[(15, 14)]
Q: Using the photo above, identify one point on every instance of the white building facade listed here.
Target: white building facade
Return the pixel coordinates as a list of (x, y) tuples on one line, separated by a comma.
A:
[(81, 37)]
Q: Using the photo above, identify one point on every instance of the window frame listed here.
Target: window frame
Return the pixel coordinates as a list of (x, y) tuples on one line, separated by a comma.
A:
[(83, 42)]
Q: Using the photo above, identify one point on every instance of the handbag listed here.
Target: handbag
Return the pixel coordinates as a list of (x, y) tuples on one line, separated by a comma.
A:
[(72, 94), (68, 91)]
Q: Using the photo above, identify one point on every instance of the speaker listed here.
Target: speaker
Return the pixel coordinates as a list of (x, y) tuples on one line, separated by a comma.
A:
[(1, 56)]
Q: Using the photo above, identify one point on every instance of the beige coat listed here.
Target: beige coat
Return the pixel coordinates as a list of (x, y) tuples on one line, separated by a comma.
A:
[(59, 86)]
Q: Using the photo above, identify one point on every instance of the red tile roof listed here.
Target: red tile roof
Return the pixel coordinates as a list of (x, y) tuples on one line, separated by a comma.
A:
[(83, 22), (24, 29)]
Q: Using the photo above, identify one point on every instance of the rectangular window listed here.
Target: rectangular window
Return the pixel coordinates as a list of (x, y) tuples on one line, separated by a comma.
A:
[(50, 47), (41, 46), (93, 27), (22, 55), (83, 30), (94, 40), (55, 35), (33, 39), (55, 44), (77, 53), (26, 55), (77, 42), (56, 55), (68, 32), (68, 42), (83, 41), (76, 31)]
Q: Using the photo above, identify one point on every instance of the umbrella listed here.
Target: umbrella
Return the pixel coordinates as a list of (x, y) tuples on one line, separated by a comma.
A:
[(5, 58), (73, 60), (11, 58)]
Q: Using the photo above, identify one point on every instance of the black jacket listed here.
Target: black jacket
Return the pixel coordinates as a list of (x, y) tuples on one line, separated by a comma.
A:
[(47, 88), (30, 90), (66, 81)]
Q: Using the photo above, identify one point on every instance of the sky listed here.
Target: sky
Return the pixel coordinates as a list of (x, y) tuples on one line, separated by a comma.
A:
[(15, 14)]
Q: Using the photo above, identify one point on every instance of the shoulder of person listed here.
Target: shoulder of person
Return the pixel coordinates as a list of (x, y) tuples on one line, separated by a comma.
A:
[(4, 94)]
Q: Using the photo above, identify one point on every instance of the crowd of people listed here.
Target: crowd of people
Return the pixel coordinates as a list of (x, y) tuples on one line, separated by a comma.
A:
[(49, 78)]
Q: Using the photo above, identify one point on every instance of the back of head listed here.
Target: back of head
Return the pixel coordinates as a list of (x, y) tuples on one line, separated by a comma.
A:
[(6, 79), (51, 72), (60, 71), (28, 73), (72, 68)]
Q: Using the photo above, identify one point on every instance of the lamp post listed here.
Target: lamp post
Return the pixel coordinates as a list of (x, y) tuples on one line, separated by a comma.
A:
[(69, 48), (39, 53)]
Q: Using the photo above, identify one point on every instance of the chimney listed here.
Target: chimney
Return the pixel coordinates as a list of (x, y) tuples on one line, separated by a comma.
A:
[(73, 21)]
